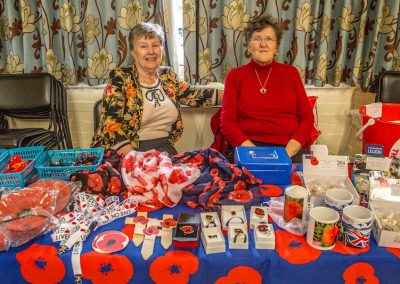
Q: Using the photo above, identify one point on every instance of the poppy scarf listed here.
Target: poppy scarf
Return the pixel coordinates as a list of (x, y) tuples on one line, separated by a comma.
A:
[(219, 183)]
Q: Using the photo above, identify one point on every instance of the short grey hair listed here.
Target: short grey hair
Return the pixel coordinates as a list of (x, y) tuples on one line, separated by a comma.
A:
[(147, 30), (259, 23)]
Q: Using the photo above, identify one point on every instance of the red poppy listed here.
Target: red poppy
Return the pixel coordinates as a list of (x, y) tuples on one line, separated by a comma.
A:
[(295, 249), (241, 274), (152, 230), (106, 268), (314, 161), (242, 196), (198, 159), (395, 251), (329, 236), (167, 223), (177, 176), (214, 172), (111, 242), (186, 230), (270, 190), (263, 228), (259, 212), (292, 210), (40, 264), (95, 182), (140, 219), (174, 267), (343, 249), (360, 272), (295, 179), (239, 185)]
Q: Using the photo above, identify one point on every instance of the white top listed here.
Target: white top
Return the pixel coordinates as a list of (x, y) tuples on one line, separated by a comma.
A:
[(159, 112)]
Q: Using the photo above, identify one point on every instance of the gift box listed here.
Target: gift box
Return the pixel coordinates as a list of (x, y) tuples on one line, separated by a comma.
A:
[(210, 220), (323, 171), (383, 236), (264, 236), (238, 236), (258, 215), (270, 164), (187, 233), (213, 240), (232, 214)]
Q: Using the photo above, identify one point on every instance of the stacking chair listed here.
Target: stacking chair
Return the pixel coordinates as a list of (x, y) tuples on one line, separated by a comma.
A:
[(38, 97), (389, 87)]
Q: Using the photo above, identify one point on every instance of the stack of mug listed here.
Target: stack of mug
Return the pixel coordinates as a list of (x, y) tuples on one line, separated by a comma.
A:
[(339, 218)]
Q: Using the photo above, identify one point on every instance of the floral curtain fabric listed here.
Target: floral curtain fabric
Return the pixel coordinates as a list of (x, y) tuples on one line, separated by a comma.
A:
[(74, 40), (350, 41)]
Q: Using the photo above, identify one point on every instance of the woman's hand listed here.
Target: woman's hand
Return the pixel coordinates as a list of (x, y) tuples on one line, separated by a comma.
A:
[(247, 143), (292, 147)]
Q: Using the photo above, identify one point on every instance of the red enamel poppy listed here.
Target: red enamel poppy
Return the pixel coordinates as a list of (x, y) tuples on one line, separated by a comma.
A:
[(40, 264), (167, 223), (270, 190), (295, 249), (106, 268), (174, 267), (186, 230), (343, 249), (241, 274), (360, 272), (152, 230), (242, 196)]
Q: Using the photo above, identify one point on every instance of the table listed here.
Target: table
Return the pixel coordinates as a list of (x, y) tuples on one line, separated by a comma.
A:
[(39, 260)]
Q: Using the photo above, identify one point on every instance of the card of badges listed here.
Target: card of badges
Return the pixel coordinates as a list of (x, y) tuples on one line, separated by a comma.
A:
[(238, 236), (210, 220), (264, 236), (213, 240), (232, 214), (110, 241), (258, 215)]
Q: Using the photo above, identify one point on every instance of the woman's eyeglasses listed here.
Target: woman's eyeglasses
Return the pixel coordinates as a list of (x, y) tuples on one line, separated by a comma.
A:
[(259, 39)]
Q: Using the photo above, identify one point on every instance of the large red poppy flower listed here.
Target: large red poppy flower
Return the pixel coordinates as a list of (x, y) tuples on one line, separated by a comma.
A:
[(61, 187), (343, 249), (241, 195), (106, 268), (177, 176), (295, 249), (270, 190), (360, 272), (292, 210), (40, 264), (174, 267), (241, 274)]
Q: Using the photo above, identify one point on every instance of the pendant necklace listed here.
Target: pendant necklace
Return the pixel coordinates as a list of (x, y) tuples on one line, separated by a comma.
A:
[(263, 90)]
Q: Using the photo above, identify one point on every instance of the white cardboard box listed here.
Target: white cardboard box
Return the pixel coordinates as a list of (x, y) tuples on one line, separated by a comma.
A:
[(213, 240), (233, 214), (324, 168), (238, 236), (383, 237), (258, 215), (210, 220), (264, 239)]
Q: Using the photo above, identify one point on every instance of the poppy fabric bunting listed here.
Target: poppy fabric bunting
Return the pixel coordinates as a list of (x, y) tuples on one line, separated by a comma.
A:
[(219, 183)]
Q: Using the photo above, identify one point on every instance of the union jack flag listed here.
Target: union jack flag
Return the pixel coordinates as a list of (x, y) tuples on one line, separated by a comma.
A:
[(358, 239)]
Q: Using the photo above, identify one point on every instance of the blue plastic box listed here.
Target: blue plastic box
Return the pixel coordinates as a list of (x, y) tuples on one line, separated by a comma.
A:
[(271, 164)]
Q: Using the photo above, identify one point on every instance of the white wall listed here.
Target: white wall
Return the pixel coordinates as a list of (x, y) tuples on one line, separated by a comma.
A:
[(334, 107)]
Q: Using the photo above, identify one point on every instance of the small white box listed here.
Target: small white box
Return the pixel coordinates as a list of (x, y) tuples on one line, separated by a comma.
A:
[(264, 236), (258, 215), (319, 167), (210, 220), (213, 240), (238, 236), (384, 238), (233, 214)]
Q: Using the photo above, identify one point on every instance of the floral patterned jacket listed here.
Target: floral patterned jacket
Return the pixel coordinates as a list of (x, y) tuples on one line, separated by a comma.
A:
[(122, 109)]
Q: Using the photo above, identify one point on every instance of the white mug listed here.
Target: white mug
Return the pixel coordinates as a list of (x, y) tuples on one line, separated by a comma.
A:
[(323, 228), (356, 226), (296, 199), (337, 199)]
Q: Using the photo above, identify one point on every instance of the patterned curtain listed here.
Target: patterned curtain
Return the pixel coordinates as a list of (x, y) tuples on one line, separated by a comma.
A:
[(74, 40), (334, 41)]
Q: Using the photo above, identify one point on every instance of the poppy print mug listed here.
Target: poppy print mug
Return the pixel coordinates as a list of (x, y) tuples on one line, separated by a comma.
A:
[(356, 226), (296, 199), (323, 228)]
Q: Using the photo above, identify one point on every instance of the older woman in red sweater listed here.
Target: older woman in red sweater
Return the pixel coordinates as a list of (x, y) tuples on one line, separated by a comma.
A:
[(265, 103)]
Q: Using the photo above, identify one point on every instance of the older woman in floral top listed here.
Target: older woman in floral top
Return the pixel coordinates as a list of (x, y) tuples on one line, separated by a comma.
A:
[(141, 103)]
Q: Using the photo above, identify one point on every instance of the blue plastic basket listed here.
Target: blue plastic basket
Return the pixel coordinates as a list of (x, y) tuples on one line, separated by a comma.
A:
[(22, 177), (47, 159)]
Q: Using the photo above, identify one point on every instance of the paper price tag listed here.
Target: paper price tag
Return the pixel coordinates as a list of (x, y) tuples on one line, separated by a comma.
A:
[(378, 164)]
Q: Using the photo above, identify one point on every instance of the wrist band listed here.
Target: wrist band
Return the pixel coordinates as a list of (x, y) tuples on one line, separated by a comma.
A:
[(239, 232), (237, 217)]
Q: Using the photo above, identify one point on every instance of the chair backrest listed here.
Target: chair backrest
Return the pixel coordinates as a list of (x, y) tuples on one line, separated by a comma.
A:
[(389, 87), (97, 113)]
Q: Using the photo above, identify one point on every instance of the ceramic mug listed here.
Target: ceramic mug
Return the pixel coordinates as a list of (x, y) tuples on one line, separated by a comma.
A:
[(356, 226), (337, 199), (296, 199), (323, 228)]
